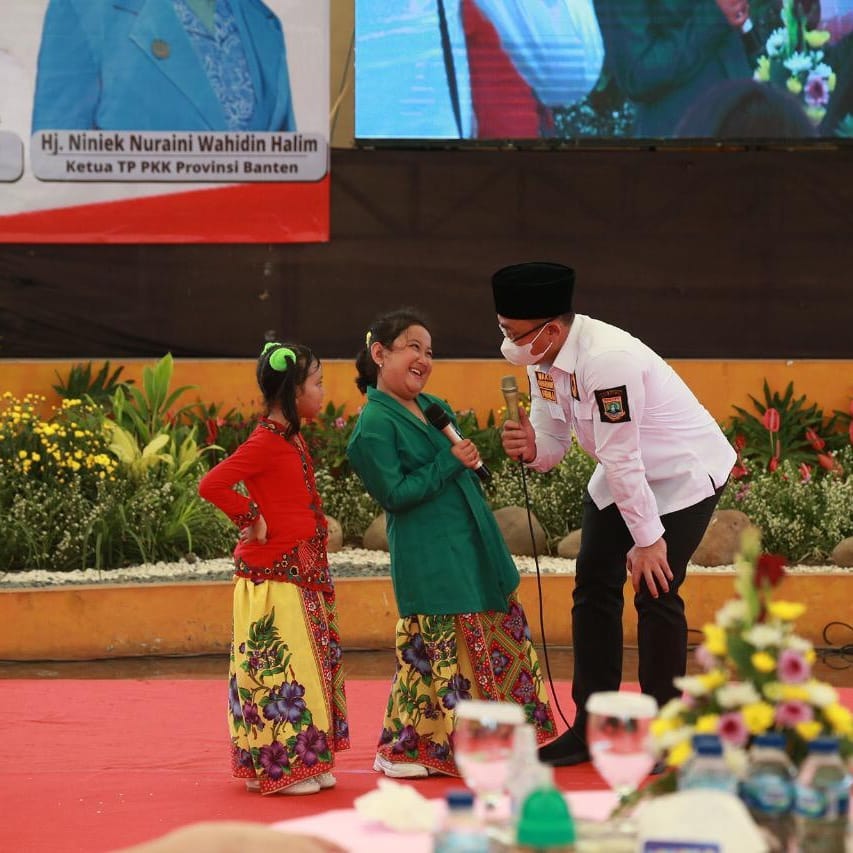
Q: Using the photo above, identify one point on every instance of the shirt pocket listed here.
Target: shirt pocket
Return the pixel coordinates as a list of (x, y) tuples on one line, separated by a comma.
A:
[(583, 410)]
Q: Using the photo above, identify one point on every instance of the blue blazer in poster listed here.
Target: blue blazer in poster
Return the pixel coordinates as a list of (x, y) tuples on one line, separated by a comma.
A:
[(131, 65)]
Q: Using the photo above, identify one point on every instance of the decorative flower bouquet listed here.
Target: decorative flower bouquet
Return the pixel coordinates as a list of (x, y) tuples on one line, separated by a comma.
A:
[(794, 60), (757, 675)]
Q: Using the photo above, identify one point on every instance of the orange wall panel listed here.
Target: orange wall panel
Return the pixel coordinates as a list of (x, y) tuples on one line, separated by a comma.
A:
[(466, 384)]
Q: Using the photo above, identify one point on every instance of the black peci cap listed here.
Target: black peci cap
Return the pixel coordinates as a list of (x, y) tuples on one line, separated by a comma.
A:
[(533, 290)]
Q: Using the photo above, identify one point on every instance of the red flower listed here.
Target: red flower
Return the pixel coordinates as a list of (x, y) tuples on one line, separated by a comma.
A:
[(826, 461), (738, 471), (212, 430), (850, 431), (814, 439), (773, 464), (740, 442), (805, 472), (770, 568), (771, 420)]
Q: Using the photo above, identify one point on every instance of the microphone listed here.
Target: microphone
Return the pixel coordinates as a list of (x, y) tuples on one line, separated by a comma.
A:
[(509, 387), (750, 40), (441, 421)]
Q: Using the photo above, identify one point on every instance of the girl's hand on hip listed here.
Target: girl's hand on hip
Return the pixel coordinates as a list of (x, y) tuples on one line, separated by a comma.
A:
[(256, 532)]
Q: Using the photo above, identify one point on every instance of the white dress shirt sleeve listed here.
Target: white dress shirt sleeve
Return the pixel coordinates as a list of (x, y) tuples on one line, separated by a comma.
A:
[(556, 45), (617, 445)]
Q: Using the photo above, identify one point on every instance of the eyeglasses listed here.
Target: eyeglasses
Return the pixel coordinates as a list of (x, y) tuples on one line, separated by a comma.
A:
[(517, 338)]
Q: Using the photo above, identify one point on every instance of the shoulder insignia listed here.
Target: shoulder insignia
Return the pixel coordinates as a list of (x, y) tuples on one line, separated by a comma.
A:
[(613, 405), (573, 386)]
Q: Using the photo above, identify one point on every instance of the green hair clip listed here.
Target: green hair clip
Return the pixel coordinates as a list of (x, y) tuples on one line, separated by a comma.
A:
[(278, 358)]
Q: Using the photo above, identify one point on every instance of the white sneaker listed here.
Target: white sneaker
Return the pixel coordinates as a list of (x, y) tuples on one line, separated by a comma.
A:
[(306, 786), (327, 780), (399, 771)]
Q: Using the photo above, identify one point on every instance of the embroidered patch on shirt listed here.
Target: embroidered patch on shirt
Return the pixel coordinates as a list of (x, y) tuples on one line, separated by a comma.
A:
[(573, 386), (546, 386), (613, 405)]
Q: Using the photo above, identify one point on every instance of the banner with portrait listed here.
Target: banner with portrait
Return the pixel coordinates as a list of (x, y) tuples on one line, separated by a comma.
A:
[(164, 121)]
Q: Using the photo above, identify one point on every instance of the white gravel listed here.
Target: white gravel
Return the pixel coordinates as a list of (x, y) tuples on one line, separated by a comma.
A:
[(350, 562)]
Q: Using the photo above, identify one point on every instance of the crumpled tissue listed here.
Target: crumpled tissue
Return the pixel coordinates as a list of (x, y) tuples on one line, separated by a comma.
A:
[(398, 807)]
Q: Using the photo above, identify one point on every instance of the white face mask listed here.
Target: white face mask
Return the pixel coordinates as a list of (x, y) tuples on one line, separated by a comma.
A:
[(521, 354)]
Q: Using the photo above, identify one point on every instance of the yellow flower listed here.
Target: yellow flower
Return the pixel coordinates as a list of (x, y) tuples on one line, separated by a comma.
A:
[(713, 679), (679, 754), (830, 81), (840, 719), (22, 454), (808, 731), (659, 727), (763, 662), (36, 457), (809, 656), (816, 38), (787, 611), (758, 717), (794, 86), (794, 693), (762, 70), (773, 691), (715, 639), (707, 724)]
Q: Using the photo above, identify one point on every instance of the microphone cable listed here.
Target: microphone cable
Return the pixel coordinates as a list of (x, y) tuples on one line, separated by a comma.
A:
[(545, 657)]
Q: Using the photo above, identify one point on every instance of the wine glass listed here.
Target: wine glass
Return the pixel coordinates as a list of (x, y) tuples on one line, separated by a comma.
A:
[(618, 738), (483, 740)]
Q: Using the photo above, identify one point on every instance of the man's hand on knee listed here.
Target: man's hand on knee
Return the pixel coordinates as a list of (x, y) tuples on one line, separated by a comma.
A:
[(649, 563)]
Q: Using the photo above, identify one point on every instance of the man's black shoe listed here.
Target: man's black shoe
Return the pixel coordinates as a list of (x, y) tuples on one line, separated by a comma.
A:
[(568, 749)]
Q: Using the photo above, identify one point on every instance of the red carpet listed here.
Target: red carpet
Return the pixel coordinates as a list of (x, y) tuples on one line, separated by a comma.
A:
[(96, 765)]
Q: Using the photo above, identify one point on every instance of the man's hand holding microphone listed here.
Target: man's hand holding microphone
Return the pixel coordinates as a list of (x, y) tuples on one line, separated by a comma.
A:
[(517, 435)]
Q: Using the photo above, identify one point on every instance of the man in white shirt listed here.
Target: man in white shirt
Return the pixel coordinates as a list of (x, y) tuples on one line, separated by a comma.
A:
[(662, 464)]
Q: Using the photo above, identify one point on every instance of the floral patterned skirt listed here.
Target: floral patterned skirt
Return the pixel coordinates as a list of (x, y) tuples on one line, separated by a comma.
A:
[(287, 711), (442, 659)]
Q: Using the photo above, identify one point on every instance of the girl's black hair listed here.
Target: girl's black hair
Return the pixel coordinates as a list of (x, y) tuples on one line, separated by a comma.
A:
[(385, 329), (279, 387)]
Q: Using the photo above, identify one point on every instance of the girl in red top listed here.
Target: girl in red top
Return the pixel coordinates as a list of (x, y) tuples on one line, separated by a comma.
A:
[(287, 709)]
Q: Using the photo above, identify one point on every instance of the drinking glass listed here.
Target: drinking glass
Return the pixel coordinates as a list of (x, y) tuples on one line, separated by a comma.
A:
[(618, 738), (483, 740)]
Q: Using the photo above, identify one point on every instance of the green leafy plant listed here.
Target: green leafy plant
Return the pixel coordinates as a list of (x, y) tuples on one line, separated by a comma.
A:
[(556, 497), (784, 428), (327, 437), (82, 384), (226, 430), (801, 518), (148, 410)]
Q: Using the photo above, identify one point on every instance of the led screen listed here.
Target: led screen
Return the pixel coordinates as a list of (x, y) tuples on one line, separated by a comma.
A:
[(605, 70)]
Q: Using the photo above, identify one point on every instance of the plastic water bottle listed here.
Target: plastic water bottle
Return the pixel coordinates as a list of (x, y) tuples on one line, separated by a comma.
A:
[(767, 790), (707, 768), (461, 831), (526, 771), (822, 799)]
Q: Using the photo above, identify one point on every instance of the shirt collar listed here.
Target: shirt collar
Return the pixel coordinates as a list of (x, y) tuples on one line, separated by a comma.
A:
[(567, 358)]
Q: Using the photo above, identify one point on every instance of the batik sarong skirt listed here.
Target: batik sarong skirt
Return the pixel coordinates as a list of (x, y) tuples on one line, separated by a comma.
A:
[(287, 711), (444, 659)]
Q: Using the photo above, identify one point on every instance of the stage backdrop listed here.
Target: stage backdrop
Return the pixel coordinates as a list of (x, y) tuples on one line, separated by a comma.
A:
[(145, 122), (702, 254)]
